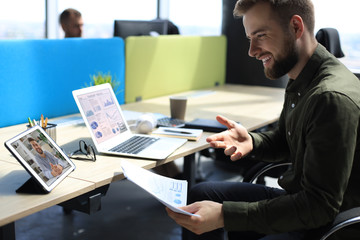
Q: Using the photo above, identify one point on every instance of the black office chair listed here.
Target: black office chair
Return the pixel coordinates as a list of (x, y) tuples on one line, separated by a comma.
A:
[(343, 219), (330, 39)]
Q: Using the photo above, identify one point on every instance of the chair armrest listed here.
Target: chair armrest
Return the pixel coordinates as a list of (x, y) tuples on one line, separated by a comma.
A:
[(260, 169), (343, 219)]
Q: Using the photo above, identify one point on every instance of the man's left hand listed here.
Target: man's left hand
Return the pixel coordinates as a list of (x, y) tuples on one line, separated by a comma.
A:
[(210, 217)]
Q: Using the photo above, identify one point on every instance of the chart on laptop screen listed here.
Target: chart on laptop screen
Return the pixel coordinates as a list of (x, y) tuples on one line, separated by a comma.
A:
[(102, 114)]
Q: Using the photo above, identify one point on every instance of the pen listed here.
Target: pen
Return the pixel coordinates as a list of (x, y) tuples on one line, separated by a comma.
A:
[(175, 131), (42, 121), (46, 122), (30, 122)]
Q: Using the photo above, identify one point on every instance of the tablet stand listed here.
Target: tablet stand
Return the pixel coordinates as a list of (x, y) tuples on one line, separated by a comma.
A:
[(31, 186)]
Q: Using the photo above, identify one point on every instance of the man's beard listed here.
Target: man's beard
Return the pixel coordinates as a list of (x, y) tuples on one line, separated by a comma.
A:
[(286, 63)]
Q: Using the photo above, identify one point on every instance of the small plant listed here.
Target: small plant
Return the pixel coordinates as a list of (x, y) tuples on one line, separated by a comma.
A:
[(101, 78)]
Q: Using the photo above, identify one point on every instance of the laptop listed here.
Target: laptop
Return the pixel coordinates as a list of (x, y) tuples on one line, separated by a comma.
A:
[(109, 130)]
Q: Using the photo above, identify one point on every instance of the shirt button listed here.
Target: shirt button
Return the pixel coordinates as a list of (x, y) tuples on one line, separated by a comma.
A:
[(281, 177), (289, 133), (292, 105), (299, 94)]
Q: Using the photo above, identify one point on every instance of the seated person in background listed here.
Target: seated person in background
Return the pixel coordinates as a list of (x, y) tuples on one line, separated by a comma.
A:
[(48, 163), (72, 23), (318, 132)]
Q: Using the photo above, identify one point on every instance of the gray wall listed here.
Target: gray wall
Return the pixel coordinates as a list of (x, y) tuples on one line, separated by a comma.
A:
[(240, 67)]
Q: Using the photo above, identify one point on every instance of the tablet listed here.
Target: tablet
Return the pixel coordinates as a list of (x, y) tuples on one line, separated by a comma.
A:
[(42, 158)]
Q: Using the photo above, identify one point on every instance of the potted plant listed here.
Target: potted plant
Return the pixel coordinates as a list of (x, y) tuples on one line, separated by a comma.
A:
[(101, 78)]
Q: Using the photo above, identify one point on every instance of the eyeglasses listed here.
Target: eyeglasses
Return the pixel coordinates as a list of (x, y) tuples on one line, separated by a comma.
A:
[(85, 152)]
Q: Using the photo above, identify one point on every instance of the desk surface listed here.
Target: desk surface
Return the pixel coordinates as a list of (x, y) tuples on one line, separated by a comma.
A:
[(252, 106), (14, 206)]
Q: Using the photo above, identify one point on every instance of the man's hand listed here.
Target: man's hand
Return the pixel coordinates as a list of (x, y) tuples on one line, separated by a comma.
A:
[(236, 140), (56, 170), (210, 217)]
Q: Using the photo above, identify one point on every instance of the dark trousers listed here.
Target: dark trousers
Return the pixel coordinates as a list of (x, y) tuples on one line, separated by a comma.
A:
[(235, 191)]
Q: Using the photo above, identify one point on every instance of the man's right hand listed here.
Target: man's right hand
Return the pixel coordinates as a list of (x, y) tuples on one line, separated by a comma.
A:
[(56, 170), (236, 140)]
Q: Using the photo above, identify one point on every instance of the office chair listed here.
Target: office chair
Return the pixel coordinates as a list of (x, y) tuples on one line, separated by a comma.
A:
[(330, 39), (343, 219)]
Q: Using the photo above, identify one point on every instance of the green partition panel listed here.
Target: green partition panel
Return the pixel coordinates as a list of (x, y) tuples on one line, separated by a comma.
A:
[(163, 65)]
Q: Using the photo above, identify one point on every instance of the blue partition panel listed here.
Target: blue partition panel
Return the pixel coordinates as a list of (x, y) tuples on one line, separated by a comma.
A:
[(38, 76)]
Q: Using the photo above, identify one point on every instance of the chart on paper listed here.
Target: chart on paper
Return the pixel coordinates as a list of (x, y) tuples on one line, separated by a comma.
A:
[(171, 192)]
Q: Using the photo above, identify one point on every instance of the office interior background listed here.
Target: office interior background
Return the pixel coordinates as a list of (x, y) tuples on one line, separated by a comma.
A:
[(37, 19)]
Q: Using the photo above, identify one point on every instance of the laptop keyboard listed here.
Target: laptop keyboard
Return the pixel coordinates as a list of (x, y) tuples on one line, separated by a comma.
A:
[(134, 145), (170, 122)]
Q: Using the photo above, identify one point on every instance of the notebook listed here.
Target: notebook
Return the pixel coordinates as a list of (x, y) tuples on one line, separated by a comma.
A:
[(188, 133), (109, 130), (208, 125)]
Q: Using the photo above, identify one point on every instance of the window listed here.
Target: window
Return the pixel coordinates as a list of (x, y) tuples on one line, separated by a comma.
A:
[(99, 16), (21, 19), (342, 16), (200, 17)]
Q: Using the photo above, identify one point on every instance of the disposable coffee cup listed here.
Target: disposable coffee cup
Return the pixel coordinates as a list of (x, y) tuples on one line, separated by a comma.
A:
[(178, 107)]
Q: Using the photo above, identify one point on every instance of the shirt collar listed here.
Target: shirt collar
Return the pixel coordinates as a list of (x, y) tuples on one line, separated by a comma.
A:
[(307, 75)]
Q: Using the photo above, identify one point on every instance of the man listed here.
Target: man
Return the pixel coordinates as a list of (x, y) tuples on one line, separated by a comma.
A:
[(47, 162), (318, 133), (72, 23)]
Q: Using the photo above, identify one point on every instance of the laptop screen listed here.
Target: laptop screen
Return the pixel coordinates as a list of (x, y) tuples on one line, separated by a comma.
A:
[(102, 114)]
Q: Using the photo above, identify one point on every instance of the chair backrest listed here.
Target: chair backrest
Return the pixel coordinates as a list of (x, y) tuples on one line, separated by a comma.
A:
[(38, 76), (330, 39)]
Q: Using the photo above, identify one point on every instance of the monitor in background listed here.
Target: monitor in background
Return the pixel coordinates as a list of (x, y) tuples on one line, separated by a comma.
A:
[(125, 28)]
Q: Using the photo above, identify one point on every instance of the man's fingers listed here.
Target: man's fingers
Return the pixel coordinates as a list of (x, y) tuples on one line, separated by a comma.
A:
[(216, 144), (225, 121), (230, 150), (236, 156), (215, 137), (188, 222)]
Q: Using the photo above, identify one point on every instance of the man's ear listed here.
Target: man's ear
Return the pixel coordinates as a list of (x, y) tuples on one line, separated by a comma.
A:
[(297, 26), (63, 26)]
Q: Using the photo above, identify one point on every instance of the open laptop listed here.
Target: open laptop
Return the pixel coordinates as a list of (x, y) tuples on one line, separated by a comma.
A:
[(109, 130)]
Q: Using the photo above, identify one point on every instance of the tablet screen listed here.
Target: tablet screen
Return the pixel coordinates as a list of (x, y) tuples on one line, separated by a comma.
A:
[(41, 157)]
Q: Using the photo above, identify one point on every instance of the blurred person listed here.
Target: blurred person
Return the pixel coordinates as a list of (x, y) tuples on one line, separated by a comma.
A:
[(72, 23)]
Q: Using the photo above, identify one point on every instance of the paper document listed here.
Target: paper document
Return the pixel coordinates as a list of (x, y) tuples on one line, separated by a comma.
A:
[(171, 192)]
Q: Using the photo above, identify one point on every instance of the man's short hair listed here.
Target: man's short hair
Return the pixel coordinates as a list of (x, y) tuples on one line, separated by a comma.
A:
[(284, 10), (30, 139), (67, 14)]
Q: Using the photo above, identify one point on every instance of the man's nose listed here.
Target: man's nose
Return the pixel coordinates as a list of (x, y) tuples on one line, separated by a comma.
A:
[(253, 49)]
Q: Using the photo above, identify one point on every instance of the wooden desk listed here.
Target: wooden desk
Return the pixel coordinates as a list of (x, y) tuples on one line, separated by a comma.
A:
[(253, 106), (15, 206)]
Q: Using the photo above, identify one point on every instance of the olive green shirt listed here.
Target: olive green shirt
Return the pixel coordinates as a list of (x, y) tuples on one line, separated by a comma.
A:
[(318, 132)]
